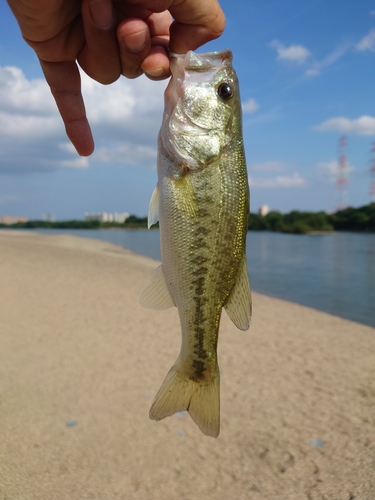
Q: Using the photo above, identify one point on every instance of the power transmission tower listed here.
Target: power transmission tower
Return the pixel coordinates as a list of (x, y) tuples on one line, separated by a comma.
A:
[(342, 176)]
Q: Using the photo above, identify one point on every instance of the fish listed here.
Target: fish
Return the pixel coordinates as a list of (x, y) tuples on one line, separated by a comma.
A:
[(201, 201)]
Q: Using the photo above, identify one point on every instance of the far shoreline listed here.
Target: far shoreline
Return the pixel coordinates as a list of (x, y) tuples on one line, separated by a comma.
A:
[(361, 219), (82, 227)]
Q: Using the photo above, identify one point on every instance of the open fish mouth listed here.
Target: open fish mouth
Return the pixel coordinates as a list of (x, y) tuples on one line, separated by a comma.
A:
[(205, 60)]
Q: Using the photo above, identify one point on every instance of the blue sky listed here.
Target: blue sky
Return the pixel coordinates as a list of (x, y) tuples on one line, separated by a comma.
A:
[(307, 76)]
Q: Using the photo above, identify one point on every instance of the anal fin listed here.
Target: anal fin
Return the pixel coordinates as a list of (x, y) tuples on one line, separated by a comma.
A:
[(238, 305), (156, 295)]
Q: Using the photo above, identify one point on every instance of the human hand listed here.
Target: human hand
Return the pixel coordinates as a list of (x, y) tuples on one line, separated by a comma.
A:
[(109, 38)]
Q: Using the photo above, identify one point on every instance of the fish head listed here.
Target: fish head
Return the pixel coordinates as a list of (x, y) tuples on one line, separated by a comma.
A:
[(201, 101)]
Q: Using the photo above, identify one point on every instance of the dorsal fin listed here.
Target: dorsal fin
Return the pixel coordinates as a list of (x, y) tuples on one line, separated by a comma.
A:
[(153, 208)]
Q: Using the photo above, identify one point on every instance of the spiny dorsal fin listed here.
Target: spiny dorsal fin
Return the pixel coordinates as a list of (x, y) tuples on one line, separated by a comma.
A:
[(238, 305), (153, 208), (156, 295)]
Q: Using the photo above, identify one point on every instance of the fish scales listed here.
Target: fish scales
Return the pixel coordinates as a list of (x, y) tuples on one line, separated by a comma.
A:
[(202, 203)]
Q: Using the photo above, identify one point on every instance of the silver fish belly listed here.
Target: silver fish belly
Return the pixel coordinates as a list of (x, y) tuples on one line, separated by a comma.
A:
[(202, 204)]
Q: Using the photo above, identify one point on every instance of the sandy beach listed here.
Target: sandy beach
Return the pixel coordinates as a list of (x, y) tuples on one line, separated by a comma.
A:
[(81, 360)]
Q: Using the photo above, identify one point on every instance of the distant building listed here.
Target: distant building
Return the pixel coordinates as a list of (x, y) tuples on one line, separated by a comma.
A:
[(119, 217), (12, 219), (48, 217), (263, 210), (106, 217), (96, 216)]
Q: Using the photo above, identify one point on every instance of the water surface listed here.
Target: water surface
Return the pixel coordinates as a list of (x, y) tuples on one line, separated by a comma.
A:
[(333, 272)]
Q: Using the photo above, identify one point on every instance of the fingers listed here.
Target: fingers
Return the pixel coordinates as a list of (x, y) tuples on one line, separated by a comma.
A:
[(42, 20), (196, 22), (134, 40), (64, 31), (143, 45), (156, 64), (100, 57), (65, 83)]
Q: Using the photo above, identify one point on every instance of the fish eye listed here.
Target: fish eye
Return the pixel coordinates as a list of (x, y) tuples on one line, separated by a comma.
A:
[(225, 91)]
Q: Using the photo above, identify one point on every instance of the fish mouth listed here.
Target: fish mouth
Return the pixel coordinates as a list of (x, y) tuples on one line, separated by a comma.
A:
[(203, 61)]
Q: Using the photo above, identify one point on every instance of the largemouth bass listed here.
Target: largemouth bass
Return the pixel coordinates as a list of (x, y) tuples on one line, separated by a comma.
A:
[(202, 203)]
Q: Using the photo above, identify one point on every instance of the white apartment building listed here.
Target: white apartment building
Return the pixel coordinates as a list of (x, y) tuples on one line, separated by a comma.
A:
[(263, 210), (119, 217)]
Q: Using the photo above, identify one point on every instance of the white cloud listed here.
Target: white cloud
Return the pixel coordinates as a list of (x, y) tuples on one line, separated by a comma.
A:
[(74, 161), (364, 125), (67, 146), (249, 106), (299, 54), (27, 110), (293, 53), (292, 181), (368, 42), (125, 105), (318, 66), (20, 95), (330, 170), (126, 154), (79, 162), (268, 166), (125, 119), (313, 71), (27, 127)]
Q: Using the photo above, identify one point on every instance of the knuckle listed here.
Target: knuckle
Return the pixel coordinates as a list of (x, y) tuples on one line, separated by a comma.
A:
[(217, 28), (106, 79), (131, 69), (132, 74)]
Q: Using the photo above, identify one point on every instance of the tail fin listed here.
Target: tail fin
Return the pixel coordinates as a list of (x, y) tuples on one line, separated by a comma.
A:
[(200, 398)]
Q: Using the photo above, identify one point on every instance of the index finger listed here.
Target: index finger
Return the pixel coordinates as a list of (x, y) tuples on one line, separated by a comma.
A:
[(65, 83)]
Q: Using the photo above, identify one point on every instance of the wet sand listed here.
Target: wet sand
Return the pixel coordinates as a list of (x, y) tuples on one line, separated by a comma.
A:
[(80, 363)]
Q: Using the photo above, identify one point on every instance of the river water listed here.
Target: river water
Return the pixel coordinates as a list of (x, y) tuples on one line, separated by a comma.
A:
[(334, 272)]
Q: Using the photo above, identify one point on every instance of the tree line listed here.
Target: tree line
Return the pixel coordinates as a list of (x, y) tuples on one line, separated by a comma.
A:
[(349, 219), (131, 222)]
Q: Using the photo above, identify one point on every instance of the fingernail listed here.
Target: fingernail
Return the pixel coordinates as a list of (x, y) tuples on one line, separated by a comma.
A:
[(101, 13), (156, 72), (135, 42)]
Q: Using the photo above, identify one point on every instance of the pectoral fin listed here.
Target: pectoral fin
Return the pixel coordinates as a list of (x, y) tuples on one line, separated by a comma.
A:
[(238, 305), (156, 295), (153, 208), (184, 197)]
